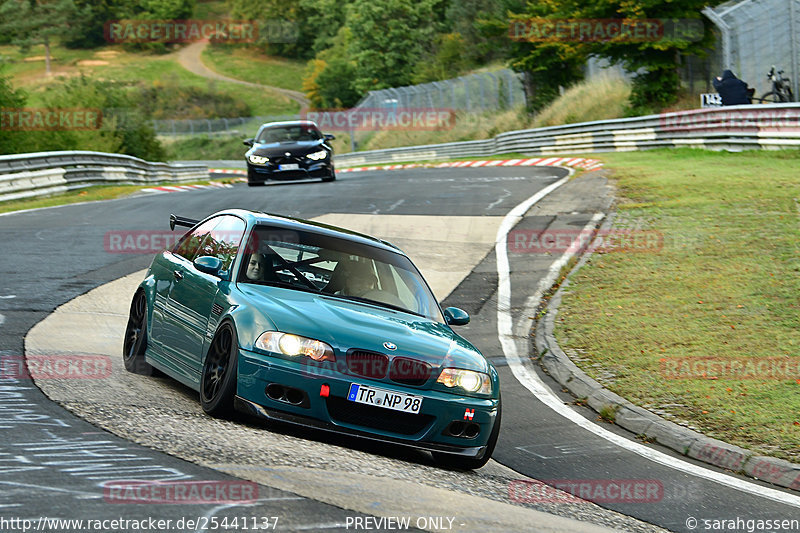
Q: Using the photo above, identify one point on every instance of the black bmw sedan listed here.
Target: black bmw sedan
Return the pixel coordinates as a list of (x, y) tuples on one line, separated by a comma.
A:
[(288, 151)]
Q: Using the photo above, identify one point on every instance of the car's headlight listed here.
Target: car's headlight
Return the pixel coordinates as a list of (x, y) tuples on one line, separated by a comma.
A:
[(317, 156), (470, 381), (258, 159), (295, 345)]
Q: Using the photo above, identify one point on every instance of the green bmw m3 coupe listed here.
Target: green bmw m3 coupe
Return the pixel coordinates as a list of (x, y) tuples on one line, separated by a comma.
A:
[(310, 324)]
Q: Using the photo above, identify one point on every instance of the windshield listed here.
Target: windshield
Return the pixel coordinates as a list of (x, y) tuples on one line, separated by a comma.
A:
[(294, 133), (336, 267)]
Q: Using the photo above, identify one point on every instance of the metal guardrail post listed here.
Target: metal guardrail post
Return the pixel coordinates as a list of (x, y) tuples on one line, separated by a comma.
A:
[(736, 127)]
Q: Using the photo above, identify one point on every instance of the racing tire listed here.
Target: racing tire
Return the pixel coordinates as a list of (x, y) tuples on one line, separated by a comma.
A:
[(252, 179), (332, 177), (218, 380), (472, 463), (135, 342)]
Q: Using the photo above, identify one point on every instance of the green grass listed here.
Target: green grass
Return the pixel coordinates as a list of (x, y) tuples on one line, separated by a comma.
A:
[(205, 148), (601, 98), (724, 286), (124, 66), (252, 65)]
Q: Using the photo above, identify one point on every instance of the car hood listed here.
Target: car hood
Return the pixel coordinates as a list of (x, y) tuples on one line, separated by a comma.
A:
[(279, 149), (346, 324)]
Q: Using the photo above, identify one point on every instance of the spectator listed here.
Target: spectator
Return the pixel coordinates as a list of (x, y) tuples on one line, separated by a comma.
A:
[(732, 90)]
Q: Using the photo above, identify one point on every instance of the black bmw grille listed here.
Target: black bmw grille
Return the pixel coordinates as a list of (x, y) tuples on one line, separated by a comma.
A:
[(409, 371), (380, 418), (284, 160), (368, 364)]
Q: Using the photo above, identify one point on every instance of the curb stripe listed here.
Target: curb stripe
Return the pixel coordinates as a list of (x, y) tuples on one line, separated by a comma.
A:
[(577, 162)]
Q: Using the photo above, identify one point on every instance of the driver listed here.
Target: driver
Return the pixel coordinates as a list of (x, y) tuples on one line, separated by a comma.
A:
[(257, 267), (359, 279)]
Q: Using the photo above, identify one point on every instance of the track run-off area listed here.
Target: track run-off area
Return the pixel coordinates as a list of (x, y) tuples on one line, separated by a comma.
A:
[(65, 440)]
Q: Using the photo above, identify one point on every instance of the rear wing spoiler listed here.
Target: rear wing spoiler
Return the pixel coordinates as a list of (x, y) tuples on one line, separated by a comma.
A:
[(175, 220)]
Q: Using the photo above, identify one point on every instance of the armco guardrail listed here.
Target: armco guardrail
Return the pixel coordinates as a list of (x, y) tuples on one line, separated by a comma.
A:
[(42, 173), (732, 128)]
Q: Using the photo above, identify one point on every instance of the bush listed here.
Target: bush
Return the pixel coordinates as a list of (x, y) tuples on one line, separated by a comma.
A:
[(120, 131), (170, 100), (11, 142)]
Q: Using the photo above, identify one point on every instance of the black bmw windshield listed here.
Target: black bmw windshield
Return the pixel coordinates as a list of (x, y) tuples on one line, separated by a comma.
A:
[(278, 134), (338, 267)]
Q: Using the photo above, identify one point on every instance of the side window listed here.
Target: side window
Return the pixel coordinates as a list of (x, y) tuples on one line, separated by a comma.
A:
[(225, 239), (189, 244)]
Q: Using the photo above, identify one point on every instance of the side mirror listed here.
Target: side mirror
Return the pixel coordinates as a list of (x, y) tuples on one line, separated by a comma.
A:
[(456, 317), (248, 142), (329, 136), (208, 264)]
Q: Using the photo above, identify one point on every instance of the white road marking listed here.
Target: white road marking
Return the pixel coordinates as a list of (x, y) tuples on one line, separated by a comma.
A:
[(224, 506), (392, 207), (80, 494), (499, 200), (314, 527), (530, 380), (8, 297)]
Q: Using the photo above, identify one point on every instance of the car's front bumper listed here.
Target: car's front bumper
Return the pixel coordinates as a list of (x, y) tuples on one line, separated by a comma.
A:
[(261, 173), (427, 430)]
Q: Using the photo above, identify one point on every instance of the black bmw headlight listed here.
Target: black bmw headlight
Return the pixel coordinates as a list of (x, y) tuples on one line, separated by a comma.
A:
[(317, 156), (258, 159)]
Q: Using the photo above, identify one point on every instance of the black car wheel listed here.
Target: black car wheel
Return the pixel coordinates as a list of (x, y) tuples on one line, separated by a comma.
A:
[(135, 342), (252, 178), (332, 176), (469, 463), (218, 382)]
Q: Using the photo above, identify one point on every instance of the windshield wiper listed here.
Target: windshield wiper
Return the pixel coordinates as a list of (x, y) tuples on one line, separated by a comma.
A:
[(282, 284), (379, 304)]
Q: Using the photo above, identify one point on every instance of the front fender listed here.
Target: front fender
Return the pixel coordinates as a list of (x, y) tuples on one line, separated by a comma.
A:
[(249, 323)]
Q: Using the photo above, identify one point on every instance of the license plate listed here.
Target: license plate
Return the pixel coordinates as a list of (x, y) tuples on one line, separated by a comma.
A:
[(397, 401), (289, 166)]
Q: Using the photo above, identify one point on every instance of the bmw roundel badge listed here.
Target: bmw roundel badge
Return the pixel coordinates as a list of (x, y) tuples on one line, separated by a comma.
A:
[(390, 345)]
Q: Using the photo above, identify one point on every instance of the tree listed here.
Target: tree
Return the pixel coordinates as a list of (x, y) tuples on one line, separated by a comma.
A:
[(329, 79), (33, 22), (547, 66), (291, 28), (448, 61), (88, 24), (153, 10), (655, 61), (468, 18), (11, 141), (388, 38)]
